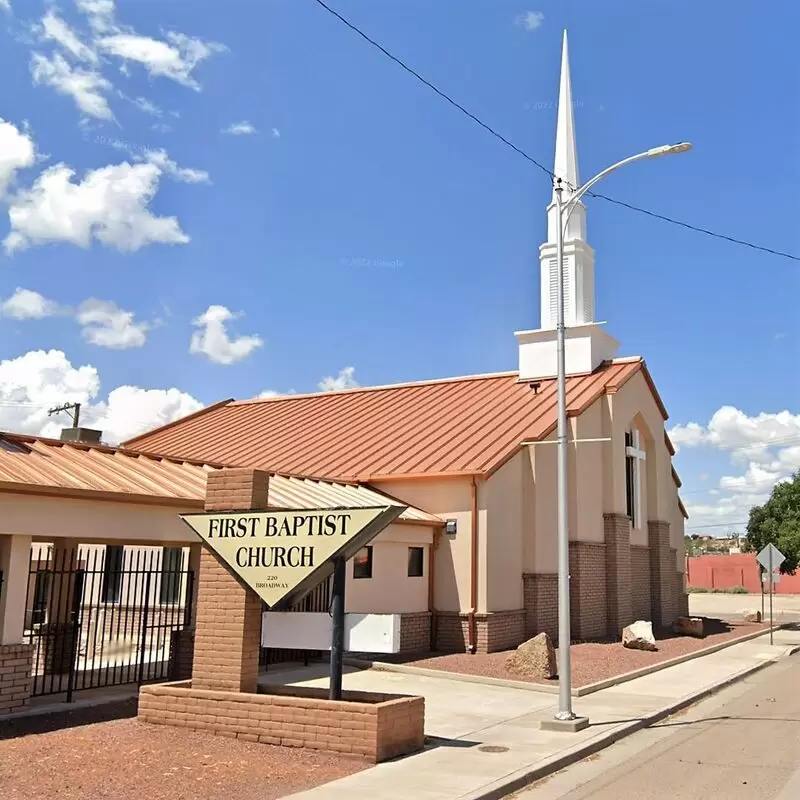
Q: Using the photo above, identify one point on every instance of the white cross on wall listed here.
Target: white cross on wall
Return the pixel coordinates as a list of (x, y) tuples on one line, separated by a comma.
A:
[(638, 455)]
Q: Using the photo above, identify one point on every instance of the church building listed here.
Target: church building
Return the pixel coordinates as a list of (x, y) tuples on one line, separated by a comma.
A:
[(479, 453)]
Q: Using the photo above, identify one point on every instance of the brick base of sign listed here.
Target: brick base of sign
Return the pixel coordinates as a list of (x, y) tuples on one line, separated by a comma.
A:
[(15, 677), (415, 632), (540, 597), (372, 726)]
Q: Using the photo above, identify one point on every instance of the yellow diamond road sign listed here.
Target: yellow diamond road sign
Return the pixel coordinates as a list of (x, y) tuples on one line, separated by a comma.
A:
[(282, 555)]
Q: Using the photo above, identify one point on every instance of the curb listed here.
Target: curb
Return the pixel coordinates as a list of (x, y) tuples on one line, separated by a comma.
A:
[(515, 781), (543, 688), (64, 707)]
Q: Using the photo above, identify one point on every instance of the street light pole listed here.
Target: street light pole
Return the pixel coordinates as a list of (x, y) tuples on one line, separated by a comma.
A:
[(565, 714)]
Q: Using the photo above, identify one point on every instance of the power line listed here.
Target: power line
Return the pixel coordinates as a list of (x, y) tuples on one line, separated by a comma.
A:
[(716, 525), (530, 158)]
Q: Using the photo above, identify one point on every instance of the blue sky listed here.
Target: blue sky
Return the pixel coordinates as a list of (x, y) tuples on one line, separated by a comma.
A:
[(365, 223)]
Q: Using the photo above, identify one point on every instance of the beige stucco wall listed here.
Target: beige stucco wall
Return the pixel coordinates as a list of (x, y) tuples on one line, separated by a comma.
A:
[(448, 498), (508, 491)]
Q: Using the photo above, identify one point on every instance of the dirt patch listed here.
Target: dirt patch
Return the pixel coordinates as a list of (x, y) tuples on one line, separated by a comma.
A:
[(124, 758), (594, 661)]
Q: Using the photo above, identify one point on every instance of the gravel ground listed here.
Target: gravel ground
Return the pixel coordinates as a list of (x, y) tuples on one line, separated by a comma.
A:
[(123, 758), (593, 661)]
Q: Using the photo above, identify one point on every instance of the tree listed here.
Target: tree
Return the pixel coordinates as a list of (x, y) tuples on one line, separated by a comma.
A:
[(778, 522)]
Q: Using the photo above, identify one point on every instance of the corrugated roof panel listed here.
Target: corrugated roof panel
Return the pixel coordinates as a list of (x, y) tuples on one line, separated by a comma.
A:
[(50, 464), (464, 425)]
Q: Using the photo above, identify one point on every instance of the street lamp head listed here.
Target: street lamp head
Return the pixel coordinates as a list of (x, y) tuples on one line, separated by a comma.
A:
[(669, 149)]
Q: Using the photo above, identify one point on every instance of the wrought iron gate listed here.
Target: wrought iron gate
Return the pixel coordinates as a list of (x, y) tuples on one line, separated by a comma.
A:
[(104, 616)]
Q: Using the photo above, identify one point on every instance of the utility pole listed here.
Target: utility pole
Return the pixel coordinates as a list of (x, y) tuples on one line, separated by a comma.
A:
[(73, 409)]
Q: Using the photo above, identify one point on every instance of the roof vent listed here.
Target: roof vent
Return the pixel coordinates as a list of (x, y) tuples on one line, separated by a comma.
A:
[(86, 435)]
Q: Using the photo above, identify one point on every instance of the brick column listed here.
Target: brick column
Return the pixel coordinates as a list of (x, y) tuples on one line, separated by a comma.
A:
[(617, 529), (662, 570), (228, 617), (587, 577)]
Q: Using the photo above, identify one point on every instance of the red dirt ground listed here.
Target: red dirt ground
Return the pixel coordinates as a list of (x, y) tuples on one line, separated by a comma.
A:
[(593, 661), (126, 759)]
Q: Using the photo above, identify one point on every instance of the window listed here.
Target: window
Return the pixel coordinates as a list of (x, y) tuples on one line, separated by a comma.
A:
[(169, 591), (634, 456), (416, 561), (112, 574), (362, 563)]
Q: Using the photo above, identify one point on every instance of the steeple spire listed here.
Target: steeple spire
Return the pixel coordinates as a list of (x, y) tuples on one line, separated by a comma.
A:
[(578, 256), (566, 162)]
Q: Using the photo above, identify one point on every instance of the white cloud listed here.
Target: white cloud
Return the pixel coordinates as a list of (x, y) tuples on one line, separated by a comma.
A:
[(243, 128), (55, 29), (175, 58), (276, 134), (17, 151), (5, 5), (110, 204), (764, 449), (39, 380), (214, 341), (166, 165), (143, 104), (530, 20), (27, 304), (106, 325), (99, 12), (344, 380), (86, 87)]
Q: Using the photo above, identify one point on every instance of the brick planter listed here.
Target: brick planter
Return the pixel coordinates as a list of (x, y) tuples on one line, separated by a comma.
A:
[(368, 725)]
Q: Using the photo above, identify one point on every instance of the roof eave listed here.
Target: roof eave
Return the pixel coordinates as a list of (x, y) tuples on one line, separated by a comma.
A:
[(74, 493)]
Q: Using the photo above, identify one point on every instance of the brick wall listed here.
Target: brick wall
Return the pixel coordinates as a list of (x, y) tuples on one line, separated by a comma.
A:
[(15, 677), (452, 632), (588, 590), (617, 534), (181, 654), (662, 574), (415, 632), (641, 606), (372, 726), (540, 598), (500, 630)]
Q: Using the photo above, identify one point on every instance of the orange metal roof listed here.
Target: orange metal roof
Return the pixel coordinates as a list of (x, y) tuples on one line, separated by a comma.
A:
[(466, 425), (47, 466)]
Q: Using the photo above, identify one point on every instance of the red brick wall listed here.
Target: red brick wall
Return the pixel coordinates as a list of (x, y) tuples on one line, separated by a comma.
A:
[(451, 632), (415, 632), (540, 597), (588, 592), (739, 569), (641, 606), (498, 630), (372, 726), (662, 574), (15, 677)]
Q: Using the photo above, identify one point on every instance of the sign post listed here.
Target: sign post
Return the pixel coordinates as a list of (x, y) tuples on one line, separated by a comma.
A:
[(771, 559), (283, 555)]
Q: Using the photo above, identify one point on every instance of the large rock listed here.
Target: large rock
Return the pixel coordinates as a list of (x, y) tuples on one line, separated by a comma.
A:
[(639, 636), (689, 626), (751, 615), (535, 658)]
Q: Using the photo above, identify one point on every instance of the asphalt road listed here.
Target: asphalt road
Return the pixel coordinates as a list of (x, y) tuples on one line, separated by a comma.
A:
[(741, 744)]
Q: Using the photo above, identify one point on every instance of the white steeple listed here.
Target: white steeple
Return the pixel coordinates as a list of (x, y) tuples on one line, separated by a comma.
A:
[(587, 345), (578, 256)]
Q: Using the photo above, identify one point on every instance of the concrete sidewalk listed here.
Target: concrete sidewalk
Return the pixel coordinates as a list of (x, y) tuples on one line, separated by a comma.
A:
[(486, 740)]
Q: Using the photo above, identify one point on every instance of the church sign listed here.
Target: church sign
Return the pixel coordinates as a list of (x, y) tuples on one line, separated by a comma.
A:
[(282, 555)]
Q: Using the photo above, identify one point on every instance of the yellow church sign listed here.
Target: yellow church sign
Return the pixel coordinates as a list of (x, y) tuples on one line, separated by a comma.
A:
[(282, 555)]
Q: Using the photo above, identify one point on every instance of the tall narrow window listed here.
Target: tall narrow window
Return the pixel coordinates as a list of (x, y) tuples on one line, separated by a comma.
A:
[(634, 456), (362, 563), (169, 591), (112, 574)]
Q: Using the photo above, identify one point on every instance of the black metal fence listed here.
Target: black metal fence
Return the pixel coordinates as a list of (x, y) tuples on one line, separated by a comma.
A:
[(319, 600), (104, 616)]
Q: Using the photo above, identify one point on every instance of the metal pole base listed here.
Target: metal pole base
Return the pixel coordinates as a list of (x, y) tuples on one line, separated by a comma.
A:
[(572, 725)]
